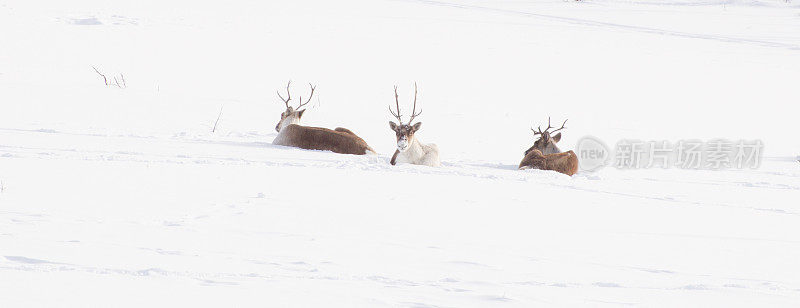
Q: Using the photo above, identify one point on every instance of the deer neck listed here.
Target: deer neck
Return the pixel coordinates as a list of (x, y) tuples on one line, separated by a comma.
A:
[(287, 122), (553, 150), (415, 149)]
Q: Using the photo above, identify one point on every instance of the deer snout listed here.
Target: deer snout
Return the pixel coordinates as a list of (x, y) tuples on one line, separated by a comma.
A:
[(278, 127), (402, 144)]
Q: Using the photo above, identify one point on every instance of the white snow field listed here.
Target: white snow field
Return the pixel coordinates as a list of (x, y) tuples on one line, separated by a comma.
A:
[(123, 197)]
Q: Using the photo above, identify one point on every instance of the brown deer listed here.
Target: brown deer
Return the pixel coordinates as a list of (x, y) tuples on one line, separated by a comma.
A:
[(291, 133), (545, 155), (409, 148)]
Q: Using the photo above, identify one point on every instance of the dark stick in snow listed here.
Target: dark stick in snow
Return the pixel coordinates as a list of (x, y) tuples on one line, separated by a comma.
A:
[(217, 121), (105, 80)]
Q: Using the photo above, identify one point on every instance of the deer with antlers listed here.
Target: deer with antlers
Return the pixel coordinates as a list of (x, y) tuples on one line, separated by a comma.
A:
[(545, 155), (409, 148), (291, 133)]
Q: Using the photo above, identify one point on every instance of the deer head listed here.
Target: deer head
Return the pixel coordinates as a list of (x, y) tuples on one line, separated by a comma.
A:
[(292, 115), (547, 141), (404, 132)]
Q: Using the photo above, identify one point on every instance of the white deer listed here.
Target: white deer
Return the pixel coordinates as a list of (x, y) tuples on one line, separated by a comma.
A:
[(409, 148)]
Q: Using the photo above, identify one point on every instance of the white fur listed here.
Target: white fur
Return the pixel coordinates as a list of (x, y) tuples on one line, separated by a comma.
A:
[(293, 119), (419, 153), (280, 139)]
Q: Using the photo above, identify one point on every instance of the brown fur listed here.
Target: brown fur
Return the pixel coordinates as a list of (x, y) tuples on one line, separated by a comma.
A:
[(340, 140), (566, 162), (394, 157), (546, 144), (344, 130)]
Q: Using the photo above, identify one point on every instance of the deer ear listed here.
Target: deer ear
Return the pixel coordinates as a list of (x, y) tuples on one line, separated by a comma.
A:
[(392, 125), (300, 113), (417, 126), (557, 137)]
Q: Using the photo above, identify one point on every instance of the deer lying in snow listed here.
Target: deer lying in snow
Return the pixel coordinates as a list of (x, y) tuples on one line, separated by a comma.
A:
[(545, 155), (409, 148), (291, 133)]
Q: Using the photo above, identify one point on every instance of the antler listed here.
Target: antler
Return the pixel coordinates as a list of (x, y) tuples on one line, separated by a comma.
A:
[(309, 97), (562, 126), (413, 112), (540, 132), (397, 103), (289, 94)]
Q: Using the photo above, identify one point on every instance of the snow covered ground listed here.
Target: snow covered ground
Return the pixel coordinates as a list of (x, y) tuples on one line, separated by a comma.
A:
[(125, 198)]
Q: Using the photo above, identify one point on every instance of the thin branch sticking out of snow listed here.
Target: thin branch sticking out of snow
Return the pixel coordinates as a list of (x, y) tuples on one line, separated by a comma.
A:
[(105, 80), (217, 121), (116, 81)]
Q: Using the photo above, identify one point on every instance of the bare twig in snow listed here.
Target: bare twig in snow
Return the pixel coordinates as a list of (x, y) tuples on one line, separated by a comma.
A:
[(217, 121), (116, 81), (105, 80)]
